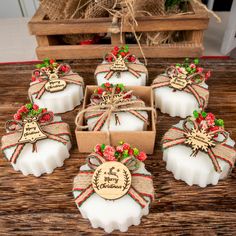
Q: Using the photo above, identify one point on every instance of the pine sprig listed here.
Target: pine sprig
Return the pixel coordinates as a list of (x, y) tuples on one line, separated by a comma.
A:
[(126, 181)]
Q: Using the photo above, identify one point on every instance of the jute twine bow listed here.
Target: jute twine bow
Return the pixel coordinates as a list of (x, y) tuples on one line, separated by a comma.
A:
[(217, 149), (141, 184), (134, 68), (52, 130), (116, 104), (192, 84), (38, 88)]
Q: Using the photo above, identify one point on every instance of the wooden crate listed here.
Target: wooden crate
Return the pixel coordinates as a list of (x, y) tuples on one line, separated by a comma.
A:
[(47, 31)]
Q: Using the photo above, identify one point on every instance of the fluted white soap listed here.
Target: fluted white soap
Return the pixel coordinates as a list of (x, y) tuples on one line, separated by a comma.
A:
[(111, 215), (56, 87), (194, 170), (121, 67), (50, 154), (181, 89)]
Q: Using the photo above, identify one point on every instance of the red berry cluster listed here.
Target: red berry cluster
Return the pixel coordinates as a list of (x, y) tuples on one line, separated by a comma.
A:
[(48, 64), (107, 88), (122, 51), (191, 68), (208, 121), (32, 110), (120, 152)]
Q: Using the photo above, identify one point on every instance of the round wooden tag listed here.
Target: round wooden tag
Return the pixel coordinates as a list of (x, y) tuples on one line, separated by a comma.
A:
[(111, 180)]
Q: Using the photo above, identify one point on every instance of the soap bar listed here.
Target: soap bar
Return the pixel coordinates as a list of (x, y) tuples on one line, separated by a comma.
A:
[(56, 87), (118, 111), (199, 151), (121, 67), (181, 89), (105, 204), (36, 142)]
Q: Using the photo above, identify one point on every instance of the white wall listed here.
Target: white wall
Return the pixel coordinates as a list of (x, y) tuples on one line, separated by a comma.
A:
[(17, 8)]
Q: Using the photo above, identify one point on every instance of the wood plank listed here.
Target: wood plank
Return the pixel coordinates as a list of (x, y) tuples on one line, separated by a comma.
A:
[(97, 51), (45, 205), (81, 26)]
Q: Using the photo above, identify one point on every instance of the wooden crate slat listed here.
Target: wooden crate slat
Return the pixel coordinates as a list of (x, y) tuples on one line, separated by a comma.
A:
[(101, 25), (98, 51)]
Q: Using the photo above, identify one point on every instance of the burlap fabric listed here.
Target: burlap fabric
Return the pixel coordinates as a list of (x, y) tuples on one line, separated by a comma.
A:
[(76, 9)]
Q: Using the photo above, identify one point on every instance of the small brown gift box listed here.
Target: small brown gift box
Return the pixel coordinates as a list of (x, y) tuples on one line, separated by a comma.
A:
[(143, 140)]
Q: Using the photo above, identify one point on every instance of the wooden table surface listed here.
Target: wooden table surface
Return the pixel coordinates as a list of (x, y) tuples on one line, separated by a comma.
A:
[(45, 205)]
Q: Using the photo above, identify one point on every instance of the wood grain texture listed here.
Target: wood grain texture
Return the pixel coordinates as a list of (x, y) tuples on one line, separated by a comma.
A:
[(45, 205)]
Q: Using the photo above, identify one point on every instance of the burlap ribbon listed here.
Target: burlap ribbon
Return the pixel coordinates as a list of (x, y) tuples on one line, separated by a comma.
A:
[(192, 86), (134, 68), (116, 104), (178, 136), (38, 88), (53, 130), (141, 184)]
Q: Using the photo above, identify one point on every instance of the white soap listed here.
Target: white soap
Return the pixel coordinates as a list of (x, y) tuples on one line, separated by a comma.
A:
[(197, 170), (62, 101), (113, 215), (178, 103), (50, 155), (125, 78), (128, 122)]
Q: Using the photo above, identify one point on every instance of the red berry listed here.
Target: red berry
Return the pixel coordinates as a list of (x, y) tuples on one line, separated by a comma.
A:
[(118, 89), (123, 54), (99, 91), (45, 117), (35, 107), (116, 48), (213, 128), (199, 119), (107, 84), (132, 59), (131, 152), (126, 146), (97, 148), (37, 73), (52, 61), (17, 116), (23, 109), (44, 110), (33, 79), (142, 156)]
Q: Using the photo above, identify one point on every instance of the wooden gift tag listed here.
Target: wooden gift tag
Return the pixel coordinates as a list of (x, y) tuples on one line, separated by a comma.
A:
[(179, 82), (111, 180), (54, 84), (106, 98), (31, 132), (119, 65), (199, 140)]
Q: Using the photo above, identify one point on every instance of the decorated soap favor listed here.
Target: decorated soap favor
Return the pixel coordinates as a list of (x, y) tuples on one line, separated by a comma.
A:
[(56, 87), (114, 108), (181, 89), (120, 66), (198, 150), (113, 190), (36, 141)]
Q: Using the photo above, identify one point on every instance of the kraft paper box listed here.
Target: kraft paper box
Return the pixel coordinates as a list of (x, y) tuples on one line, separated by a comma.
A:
[(144, 140)]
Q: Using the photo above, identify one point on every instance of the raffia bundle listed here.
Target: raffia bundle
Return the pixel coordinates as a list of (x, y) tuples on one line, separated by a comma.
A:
[(76, 9)]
